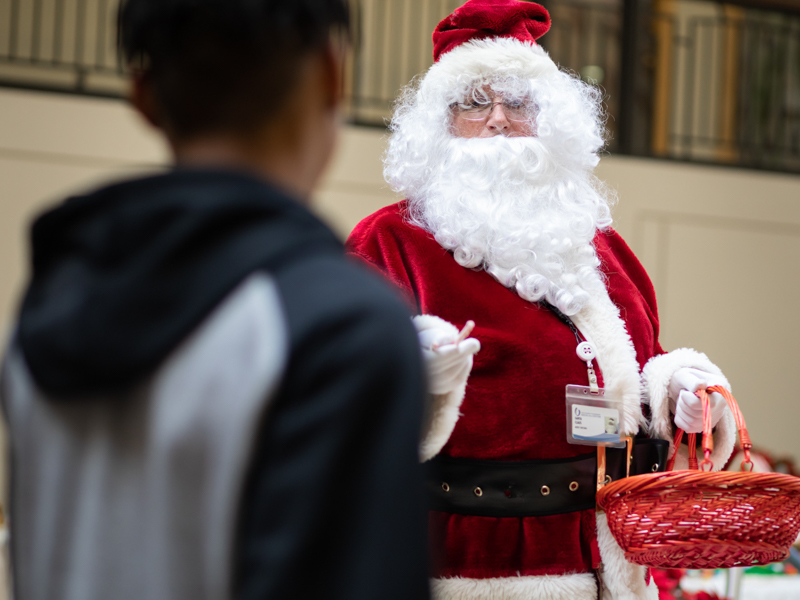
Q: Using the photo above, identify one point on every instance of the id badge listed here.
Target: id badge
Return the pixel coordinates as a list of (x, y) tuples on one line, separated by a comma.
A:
[(593, 418)]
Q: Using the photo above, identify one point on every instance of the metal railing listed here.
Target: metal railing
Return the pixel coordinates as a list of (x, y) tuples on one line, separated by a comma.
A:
[(393, 45), (60, 45), (726, 88), (683, 79)]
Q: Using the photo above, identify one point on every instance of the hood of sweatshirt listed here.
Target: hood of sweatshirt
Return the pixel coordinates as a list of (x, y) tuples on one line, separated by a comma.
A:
[(122, 275)]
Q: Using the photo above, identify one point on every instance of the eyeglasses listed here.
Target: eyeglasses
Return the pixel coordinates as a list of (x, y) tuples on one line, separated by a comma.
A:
[(474, 110)]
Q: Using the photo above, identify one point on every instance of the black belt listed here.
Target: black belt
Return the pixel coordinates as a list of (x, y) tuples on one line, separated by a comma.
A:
[(532, 488)]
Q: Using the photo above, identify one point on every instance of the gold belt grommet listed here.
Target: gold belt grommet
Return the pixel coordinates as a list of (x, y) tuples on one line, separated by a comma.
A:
[(608, 479), (478, 492), (545, 490), (655, 467), (573, 486), (445, 486)]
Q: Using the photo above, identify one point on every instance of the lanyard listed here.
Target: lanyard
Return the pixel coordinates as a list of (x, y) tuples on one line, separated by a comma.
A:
[(585, 350)]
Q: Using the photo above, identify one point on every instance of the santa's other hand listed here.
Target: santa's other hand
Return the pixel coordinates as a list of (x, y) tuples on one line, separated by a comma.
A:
[(685, 404), (436, 337), (448, 359), (449, 366)]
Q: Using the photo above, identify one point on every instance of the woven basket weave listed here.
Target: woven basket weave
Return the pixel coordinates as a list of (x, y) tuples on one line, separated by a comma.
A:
[(702, 520)]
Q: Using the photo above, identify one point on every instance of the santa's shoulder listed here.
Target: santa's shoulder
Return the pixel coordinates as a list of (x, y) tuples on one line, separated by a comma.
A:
[(609, 242), (617, 258), (388, 216), (608, 236), (390, 222)]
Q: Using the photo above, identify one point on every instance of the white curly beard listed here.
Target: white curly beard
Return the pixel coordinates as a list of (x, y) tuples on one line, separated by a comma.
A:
[(525, 209), (501, 204)]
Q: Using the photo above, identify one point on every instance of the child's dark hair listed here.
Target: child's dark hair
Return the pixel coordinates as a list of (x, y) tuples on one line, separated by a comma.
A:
[(224, 65)]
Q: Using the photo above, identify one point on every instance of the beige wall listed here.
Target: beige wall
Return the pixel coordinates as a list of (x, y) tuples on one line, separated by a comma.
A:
[(722, 245)]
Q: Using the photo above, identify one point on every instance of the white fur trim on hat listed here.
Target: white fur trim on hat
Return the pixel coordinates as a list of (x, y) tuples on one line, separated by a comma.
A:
[(441, 410), (491, 58), (624, 580), (656, 376), (601, 324), (554, 587)]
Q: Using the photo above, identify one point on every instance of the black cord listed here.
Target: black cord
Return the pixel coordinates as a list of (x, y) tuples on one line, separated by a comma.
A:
[(566, 320)]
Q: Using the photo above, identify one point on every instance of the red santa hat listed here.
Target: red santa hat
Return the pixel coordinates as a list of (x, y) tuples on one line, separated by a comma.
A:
[(489, 38), (481, 19)]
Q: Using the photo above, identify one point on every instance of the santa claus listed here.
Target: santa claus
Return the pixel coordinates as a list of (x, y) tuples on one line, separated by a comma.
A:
[(504, 224)]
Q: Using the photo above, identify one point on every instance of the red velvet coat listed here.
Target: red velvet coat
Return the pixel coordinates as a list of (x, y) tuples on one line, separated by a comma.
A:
[(514, 404)]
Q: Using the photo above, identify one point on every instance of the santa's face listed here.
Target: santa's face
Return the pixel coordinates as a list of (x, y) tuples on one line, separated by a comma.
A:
[(485, 113), (498, 170)]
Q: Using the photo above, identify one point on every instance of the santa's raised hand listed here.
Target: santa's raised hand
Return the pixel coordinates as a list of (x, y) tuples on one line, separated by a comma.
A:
[(447, 352)]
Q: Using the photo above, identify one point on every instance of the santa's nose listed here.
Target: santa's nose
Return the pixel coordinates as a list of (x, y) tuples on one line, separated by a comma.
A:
[(497, 121)]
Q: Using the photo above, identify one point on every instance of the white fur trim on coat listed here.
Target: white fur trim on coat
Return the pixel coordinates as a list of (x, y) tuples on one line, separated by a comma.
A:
[(493, 58), (623, 580), (557, 587), (441, 410), (656, 376), (601, 324)]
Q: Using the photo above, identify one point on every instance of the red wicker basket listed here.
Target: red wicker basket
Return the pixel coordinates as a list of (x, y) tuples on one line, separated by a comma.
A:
[(702, 520)]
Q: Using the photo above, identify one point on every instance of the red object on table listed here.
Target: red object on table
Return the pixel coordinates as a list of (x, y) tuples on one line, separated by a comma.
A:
[(669, 586)]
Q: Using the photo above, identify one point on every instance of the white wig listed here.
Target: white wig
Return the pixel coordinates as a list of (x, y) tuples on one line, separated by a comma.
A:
[(526, 208)]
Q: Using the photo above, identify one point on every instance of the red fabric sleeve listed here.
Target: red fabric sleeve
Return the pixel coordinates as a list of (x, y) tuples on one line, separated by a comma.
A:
[(379, 240), (618, 259)]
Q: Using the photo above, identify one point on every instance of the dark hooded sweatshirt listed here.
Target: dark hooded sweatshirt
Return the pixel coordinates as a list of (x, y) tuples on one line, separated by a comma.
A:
[(207, 400)]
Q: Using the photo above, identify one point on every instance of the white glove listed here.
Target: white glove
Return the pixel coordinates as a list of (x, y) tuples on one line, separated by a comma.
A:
[(686, 406), (448, 358)]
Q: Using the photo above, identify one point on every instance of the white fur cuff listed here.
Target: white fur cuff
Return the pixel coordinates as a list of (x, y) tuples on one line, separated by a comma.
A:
[(441, 415), (441, 410), (656, 376), (564, 587)]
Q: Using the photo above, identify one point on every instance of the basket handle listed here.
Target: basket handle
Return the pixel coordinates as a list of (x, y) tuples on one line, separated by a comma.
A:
[(708, 439)]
